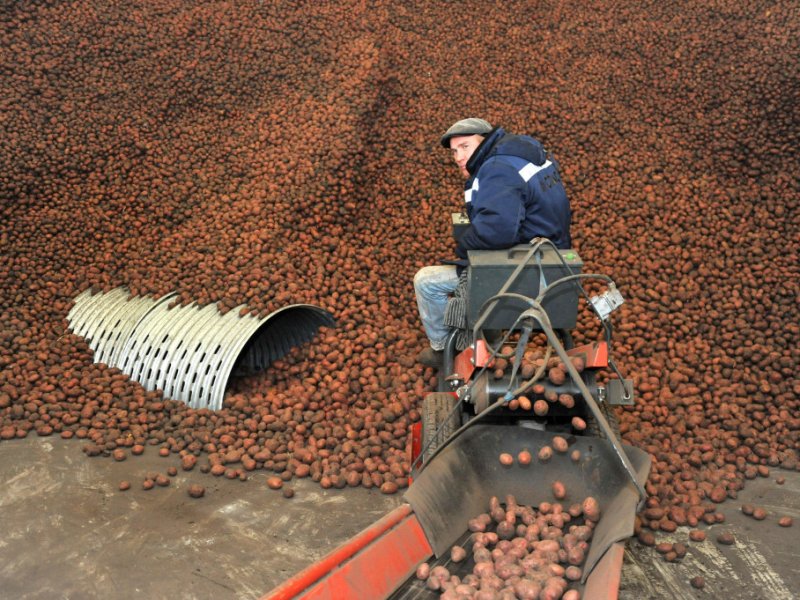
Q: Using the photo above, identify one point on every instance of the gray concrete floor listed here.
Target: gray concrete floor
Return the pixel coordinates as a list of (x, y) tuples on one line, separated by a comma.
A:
[(762, 564), (68, 532)]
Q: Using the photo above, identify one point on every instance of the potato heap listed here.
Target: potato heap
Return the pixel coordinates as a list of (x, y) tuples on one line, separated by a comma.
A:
[(271, 153), (519, 551)]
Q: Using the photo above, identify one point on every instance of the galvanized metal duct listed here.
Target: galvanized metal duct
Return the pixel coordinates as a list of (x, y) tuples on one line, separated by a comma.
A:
[(188, 352)]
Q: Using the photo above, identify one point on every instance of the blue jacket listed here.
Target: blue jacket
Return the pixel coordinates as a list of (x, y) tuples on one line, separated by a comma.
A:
[(513, 195)]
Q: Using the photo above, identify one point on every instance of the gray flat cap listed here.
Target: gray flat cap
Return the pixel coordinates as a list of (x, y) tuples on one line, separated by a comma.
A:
[(471, 126)]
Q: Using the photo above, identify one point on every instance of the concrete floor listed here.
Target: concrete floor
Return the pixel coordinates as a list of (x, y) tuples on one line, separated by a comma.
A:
[(68, 532), (762, 564)]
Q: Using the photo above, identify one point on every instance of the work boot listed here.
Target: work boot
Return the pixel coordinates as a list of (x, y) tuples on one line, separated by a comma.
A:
[(431, 358)]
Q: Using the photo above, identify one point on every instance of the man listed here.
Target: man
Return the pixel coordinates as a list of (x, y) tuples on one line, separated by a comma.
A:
[(513, 194)]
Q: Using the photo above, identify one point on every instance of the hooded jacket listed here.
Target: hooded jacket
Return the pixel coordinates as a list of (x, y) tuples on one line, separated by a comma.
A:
[(514, 194)]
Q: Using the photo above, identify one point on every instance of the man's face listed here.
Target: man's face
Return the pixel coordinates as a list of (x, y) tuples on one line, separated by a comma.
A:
[(462, 147)]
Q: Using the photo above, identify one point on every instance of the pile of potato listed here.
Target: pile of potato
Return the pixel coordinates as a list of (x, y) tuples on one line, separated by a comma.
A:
[(520, 551), (267, 153)]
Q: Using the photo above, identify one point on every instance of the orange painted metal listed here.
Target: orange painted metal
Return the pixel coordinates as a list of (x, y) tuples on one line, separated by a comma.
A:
[(473, 357), (369, 566), (603, 583), (416, 441), (463, 364), (595, 354)]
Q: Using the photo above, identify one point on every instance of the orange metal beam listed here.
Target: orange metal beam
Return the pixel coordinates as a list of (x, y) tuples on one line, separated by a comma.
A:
[(368, 566)]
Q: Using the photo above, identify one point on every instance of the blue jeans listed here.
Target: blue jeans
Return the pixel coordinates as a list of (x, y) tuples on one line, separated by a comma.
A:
[(432, 287)]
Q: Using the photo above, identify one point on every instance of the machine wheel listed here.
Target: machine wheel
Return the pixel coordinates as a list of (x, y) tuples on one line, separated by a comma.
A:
[(435, 409), (593, 428)]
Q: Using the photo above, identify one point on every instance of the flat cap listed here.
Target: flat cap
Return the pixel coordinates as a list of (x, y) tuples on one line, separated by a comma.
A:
[(471, 126)]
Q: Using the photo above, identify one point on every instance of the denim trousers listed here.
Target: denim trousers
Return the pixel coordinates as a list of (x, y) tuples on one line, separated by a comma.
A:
[(432, 287)]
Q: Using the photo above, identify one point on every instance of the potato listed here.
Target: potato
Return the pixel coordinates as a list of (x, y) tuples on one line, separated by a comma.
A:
[(547, 545), (505, 530), (786, 521), (506, 569), (726, 538), (559, 490), (663, 547), (433, 583), (679, 549), (541, 408), (697, 535), (423, 571), (560, 444), (591, 509), (545, 453), (388, 487), (525, 589), (506, 459), (498, 514), (124, 485), (551, 593), (196, 491), (476, 525), (457, 554), (578, 423), (463, 590), (557, 376), (575, 556), (440, 574), (698, 582), (274, 483), (482, 555), (524, 458), (566, 400), (646, 538)]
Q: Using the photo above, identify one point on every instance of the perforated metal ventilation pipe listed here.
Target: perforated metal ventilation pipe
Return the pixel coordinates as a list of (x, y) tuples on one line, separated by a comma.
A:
[(188, 352)]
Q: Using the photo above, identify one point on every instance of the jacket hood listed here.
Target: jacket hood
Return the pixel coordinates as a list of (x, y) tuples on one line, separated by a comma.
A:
[(523, 147), (500, 143)]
